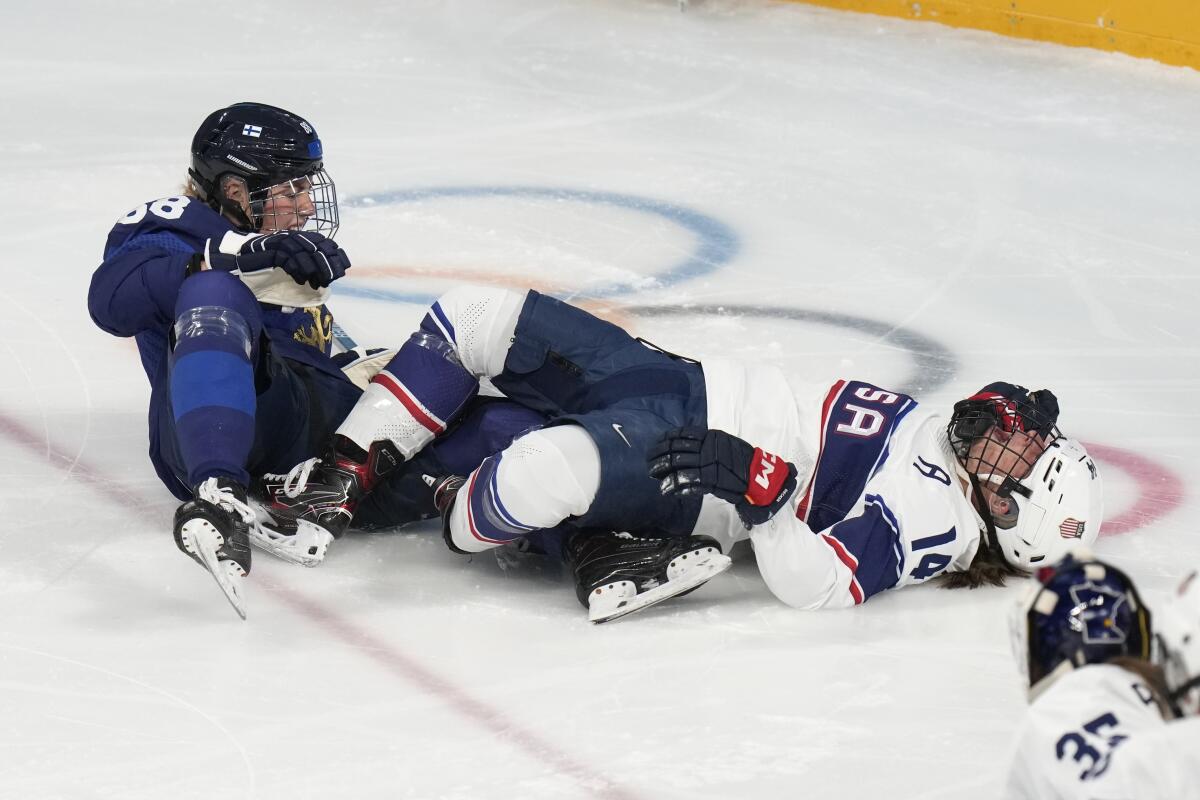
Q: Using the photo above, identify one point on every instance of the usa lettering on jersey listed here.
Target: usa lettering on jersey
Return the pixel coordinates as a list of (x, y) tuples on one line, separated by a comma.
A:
[(857, 423)]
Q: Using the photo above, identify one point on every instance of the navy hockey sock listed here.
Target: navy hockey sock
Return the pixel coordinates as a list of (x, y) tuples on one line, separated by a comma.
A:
[(212, 375), (413, 399)]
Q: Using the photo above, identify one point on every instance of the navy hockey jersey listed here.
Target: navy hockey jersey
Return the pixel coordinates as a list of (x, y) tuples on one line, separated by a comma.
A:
[(133, 293)]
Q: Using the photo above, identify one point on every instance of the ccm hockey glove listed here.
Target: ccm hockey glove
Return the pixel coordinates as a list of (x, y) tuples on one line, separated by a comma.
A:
[(307, 256), (693, 461)]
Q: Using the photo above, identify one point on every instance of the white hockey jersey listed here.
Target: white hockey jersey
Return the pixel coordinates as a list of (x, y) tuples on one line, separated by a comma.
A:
[(1096, 733), (879, 503)]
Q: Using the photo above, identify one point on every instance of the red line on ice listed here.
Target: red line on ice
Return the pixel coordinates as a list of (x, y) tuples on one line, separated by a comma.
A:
[(461, 701), (1160, 491), (380, 651)]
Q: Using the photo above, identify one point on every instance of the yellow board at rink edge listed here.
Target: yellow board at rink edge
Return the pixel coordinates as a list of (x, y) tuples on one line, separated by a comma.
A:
[(1164, 30)]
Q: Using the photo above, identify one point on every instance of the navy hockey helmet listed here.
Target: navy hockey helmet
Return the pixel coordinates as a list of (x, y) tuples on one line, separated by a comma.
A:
[(278, 155), (1081, 611)]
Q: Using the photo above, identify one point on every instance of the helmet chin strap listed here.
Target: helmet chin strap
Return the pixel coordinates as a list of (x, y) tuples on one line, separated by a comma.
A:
[(990, 537)]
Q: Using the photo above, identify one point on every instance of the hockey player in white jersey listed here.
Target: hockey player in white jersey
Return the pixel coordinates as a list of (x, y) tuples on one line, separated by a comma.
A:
[(868, 490), (895, 496), (1102, 719)]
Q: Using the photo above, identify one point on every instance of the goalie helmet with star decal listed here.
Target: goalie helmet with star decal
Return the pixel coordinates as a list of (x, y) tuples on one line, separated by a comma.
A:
[(1081, 611)]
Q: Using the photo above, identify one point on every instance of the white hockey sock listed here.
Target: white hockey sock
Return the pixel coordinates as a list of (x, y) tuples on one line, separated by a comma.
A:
[(535, 483), (387, 411)]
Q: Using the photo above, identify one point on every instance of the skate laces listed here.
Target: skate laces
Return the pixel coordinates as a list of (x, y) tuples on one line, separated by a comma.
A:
[(223, 496), (296, 479)]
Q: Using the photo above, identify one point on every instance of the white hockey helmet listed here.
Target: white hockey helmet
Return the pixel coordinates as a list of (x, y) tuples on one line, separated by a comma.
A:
[(1038, 493), (1055, 509), (1177, 632)]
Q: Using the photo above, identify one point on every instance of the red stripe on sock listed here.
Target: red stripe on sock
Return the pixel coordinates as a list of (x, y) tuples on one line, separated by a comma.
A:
[(408, 401)]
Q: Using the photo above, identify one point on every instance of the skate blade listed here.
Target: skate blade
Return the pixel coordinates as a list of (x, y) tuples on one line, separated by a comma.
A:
[(305, 546), (699, 574), (227, 574)]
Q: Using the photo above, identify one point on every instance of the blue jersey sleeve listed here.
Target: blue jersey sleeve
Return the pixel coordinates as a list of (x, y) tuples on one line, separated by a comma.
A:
[(134, 289), (869, 545), (145, 261)]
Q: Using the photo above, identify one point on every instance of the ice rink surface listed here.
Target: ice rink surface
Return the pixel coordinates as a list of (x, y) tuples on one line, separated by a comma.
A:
[(925, 208)]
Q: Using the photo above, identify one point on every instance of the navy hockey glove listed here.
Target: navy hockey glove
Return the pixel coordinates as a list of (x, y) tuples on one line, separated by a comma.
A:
[(307, 256), (692, 461)]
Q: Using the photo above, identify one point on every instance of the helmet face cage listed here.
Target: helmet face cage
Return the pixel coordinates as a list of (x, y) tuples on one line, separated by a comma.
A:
[(277, 156), (1085, 612), (306, 203), (998, 434)]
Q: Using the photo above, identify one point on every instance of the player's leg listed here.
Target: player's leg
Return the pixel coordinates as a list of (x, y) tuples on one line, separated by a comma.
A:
[(236, 410), (593, 474), (591, 470), (542, 353), (298, 408), (211, 368), (541, 479), (407, 495), (212, 413), (331, 491), (414, 397), (616, 573), (464, 337)]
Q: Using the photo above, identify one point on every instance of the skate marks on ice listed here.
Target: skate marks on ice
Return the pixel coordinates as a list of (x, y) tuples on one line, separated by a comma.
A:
[(74, 695)]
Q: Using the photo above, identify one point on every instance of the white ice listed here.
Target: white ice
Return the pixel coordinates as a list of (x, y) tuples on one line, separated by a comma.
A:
[(1019, 210)]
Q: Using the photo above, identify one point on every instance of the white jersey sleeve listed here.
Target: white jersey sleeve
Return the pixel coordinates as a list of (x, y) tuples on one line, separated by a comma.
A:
[(1097, 732), (756, 403), (881, 506)]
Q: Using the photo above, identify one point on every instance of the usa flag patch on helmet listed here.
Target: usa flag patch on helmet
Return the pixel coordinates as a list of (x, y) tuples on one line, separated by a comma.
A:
[(1071, 528)]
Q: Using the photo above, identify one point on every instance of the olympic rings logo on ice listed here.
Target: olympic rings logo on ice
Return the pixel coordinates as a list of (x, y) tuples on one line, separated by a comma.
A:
[(934, 365), (716, 244)]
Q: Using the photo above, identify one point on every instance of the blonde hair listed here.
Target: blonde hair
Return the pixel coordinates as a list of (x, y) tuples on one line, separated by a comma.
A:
[(190, 189)]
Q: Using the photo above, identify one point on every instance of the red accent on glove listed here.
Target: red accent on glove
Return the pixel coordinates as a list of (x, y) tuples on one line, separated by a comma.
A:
[(768, 473)]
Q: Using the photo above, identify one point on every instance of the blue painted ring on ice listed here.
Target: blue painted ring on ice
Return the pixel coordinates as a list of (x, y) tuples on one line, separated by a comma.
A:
[(716, 242)]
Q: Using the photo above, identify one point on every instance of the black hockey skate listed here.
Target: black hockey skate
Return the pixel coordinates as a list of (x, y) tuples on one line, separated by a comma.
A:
[(315, 502), (214, 529), (617, 574)]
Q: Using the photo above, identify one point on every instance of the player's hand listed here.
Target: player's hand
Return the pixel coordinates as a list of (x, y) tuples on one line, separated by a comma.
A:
[(693, 461), (307, 256)]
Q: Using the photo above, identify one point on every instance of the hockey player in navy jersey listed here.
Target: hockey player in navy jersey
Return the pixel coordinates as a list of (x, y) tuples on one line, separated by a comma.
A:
[(1106, 720), (844, 490), (223, 288)]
